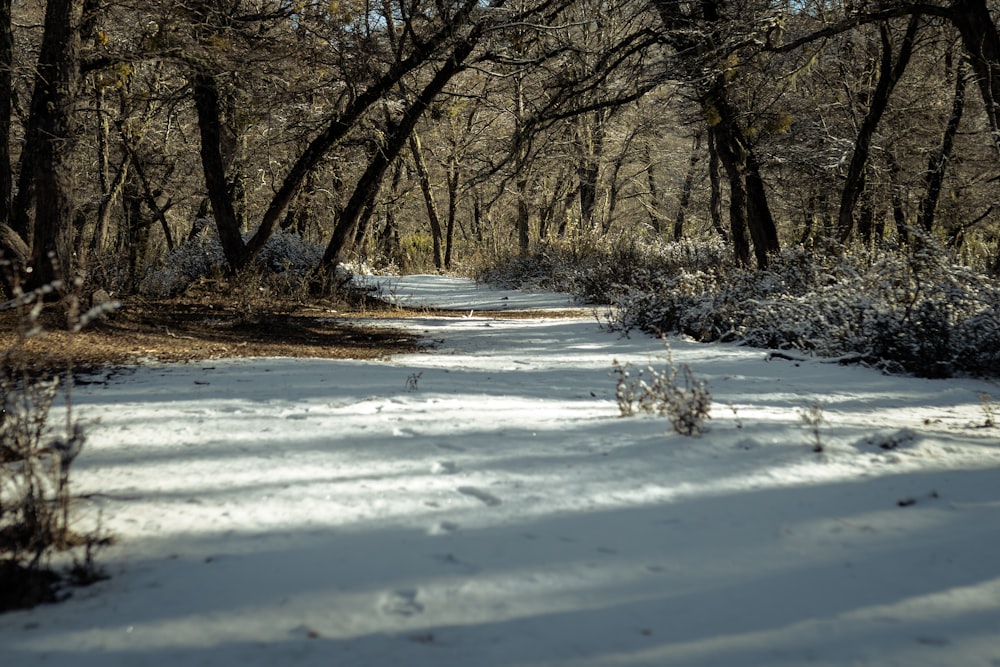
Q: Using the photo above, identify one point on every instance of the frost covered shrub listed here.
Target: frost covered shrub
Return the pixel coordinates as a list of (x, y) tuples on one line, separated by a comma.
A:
[(600, 269), (673, 392), (288, 252), (200, 257), (36, 457), (285, 254), (911, 309)]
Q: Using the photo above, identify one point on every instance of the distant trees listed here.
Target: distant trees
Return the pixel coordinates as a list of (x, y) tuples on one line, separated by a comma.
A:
[(432, 130)]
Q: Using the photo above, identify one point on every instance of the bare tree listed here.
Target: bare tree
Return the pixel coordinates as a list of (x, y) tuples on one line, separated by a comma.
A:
[(49, 151), (705, 37), (889, 74)]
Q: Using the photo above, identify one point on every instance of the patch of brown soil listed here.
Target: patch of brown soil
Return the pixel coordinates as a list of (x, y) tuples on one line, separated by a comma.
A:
[(206, 325), (195, 329)]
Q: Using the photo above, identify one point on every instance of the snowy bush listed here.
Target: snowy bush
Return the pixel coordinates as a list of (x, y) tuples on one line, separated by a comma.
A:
[(673, 392), (599, 270), (286, 254), (910, 309)]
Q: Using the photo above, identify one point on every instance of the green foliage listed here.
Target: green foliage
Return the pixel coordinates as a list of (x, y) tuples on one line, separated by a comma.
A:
[(418, 250)]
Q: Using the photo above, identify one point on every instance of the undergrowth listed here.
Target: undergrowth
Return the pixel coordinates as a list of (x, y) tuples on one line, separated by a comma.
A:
[(672, 391), (282, 268), (909, 309), (36, 458)]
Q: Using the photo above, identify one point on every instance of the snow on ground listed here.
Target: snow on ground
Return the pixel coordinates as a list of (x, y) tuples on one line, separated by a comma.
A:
[(482, 504), (419, 291)]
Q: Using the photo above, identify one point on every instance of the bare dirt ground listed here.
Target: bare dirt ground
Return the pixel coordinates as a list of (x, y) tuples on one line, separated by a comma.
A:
[(210, 326), (188, 329)]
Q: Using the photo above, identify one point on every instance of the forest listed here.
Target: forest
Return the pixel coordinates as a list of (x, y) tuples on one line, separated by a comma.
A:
[(417, 135), (236, 183)]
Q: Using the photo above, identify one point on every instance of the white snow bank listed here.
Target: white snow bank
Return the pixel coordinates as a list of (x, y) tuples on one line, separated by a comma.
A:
[(483, 505)]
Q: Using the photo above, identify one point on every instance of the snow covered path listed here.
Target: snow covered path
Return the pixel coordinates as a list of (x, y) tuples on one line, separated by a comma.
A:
[(483, 505)]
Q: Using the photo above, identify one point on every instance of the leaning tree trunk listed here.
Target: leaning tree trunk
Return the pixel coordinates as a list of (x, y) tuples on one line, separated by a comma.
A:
[(937, 163), (982, 44), (889, 75), (370, 182)]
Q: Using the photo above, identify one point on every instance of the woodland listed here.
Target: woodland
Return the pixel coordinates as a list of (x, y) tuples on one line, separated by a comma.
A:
[(441, 134), (818, 178)]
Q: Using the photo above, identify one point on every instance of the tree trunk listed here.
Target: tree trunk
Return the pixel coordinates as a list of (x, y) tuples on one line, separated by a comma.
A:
[(343, 123), (982, 44), (52, 104), (453, 176), (206, 99), (12, 246), (388, 240), (936, 165), (889, 75), (371, 180), (655, 206), (16, 255), (685, 199), (715, 184), (523, 219), (135, 234), (737, 207), (6, 107), (590, 142), (424, 178), (748, 207)]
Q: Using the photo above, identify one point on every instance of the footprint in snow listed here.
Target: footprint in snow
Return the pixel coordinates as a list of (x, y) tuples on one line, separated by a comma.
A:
[(480, 495), (443, 528), (444, 468), (401, 602)]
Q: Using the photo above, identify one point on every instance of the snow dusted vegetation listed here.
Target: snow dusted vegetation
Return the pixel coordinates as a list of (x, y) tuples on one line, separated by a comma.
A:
[(484, 504)]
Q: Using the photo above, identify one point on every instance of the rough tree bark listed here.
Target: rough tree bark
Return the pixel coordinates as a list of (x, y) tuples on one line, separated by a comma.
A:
[(13, 249), (6, 106), (206, 99), (51, 166)]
